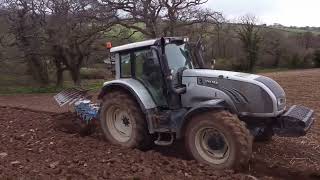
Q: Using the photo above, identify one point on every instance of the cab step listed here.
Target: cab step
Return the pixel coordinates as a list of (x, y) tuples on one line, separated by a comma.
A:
[(164, 139)]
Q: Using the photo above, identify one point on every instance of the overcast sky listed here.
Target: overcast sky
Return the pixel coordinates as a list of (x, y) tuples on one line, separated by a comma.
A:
[(286, 12)]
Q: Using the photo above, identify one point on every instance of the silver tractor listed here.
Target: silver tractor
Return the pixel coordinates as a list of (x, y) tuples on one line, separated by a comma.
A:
[(162, 92)]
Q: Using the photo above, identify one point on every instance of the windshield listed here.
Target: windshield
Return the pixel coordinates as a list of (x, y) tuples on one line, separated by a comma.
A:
[(178, 56)]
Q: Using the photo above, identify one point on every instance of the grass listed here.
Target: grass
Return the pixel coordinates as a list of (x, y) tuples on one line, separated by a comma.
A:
[(297, 30), (93, 78), (94, 85)]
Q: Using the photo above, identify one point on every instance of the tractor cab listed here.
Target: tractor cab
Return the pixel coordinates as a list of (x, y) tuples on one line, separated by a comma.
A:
[(158, 65)]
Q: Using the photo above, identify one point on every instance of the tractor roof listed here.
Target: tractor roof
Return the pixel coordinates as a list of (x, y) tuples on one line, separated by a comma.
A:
[(133, 45), (140, 44)]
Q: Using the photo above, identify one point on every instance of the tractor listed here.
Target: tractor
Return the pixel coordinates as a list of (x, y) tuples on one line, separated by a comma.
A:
[(163, 92)]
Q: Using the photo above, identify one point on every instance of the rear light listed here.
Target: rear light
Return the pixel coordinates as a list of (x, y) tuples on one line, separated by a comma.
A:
[(108, 45)]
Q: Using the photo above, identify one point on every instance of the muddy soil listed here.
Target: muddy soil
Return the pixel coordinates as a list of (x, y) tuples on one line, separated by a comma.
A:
[(41, 141)]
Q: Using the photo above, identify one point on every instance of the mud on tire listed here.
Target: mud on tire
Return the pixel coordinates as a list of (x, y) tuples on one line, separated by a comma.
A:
[(122, 121), (218, 125)]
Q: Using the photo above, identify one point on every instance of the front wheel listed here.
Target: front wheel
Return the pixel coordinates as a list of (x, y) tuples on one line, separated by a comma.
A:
[(218, 139)]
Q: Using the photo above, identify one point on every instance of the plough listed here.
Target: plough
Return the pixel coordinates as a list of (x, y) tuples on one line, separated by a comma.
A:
[(84, 108)]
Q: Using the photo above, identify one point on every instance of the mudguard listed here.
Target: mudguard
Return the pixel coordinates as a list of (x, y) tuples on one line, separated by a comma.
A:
[(201, 107), (140, 93)]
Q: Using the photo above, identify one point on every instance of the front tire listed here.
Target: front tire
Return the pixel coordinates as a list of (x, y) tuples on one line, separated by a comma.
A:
[(123, 122), (219, 139)]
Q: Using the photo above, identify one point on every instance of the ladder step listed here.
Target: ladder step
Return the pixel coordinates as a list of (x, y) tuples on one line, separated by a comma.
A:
[(160, 142)]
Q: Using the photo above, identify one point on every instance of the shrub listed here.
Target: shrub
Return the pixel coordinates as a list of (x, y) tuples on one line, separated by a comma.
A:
[(300, 61), (316, 58), (90, 73), (294, 61)]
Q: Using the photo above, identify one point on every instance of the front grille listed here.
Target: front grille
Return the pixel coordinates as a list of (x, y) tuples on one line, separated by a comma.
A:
[(298, 112), (295, 122)]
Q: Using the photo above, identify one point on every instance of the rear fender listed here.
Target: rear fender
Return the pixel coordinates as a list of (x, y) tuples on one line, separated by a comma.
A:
[(215, 104), (136, 89)]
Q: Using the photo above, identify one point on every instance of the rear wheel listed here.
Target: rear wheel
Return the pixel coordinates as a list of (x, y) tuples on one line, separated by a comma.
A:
[(123, 122), (218, 139)]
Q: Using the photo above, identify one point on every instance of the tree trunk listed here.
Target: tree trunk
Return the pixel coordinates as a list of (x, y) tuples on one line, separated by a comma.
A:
[(75, 75), (219, 43), (59, 73), (277, 60), (152, 31), (38, 70), (59, 82), (171, 29)]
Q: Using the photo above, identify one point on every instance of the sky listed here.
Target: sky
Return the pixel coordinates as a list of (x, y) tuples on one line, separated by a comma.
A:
[(285, 12)]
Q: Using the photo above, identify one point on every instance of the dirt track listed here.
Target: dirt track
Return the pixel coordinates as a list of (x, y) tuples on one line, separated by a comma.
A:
[(34, 145)]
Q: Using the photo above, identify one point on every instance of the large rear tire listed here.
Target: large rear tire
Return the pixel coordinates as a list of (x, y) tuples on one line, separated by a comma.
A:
[(122, 121), (219, 139)]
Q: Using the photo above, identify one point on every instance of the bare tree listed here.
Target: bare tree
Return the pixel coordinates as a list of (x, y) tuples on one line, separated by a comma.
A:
[(73, 28), (64, 31), (249, 35), (141, 15), (273, 45), (26, 23), (181, 13), (316, 58), (307, 40), (156, 18), (221, 35)]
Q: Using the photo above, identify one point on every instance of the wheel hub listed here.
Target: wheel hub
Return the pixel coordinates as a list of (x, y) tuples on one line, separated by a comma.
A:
[(125, 121), (212, 145), (215, 141), (119, 124)]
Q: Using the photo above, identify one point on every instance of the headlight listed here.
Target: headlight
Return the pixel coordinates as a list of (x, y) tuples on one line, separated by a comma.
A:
[(281, 101)]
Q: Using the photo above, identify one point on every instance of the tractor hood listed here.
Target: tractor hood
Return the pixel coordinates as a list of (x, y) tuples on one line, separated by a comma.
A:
[(217, 73), (250, 93)]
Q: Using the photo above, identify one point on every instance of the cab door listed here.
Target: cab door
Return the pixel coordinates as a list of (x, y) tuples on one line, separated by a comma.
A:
[(147, 70)]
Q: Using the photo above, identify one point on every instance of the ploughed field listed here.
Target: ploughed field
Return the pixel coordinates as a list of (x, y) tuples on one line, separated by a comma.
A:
[(39, 141)]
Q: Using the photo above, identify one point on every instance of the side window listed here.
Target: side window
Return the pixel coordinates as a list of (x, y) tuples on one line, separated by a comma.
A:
[(125, 66), (145, 60), (148, 71)]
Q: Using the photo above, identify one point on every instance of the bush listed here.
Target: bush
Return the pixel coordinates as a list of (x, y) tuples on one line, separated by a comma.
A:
[(316, 58), (232, 64), (300, 61), (90, 73), (295, 61), (223, 64)]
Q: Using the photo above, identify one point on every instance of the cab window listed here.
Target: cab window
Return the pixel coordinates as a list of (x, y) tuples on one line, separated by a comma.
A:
[(125, 66), (148, 71)]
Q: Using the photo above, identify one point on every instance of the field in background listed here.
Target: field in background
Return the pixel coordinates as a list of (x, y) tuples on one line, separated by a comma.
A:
[(16, 80)]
